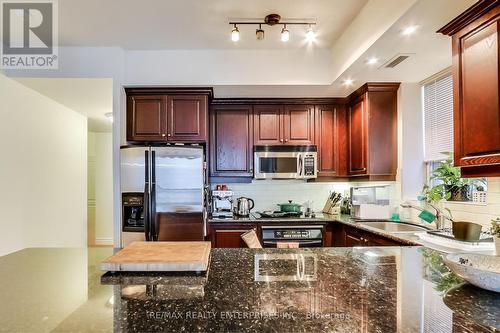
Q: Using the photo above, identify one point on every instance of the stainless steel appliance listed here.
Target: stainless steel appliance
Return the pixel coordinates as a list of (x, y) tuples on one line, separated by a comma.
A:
[(243, 206), (222, 204), (170, 179), (285, 162), (371, 202), (305, 235), (133, 211)]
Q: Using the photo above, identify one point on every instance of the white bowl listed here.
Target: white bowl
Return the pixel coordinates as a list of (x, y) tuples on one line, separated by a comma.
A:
[(480, 270)]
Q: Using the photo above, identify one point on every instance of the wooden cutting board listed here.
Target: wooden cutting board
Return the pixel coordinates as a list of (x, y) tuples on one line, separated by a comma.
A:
[(159, 257)]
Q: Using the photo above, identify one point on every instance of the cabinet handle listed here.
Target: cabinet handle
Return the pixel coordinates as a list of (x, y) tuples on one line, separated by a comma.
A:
[(169, 134), (281, 140), (163, 134), (286, 140)]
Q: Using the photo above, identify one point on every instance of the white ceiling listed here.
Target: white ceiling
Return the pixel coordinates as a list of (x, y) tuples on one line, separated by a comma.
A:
[(429, 51), (196, 24), (92, 98)]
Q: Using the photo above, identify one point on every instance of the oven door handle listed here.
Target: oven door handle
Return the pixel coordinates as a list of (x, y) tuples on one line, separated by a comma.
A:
[(300, 159), (301, 242)]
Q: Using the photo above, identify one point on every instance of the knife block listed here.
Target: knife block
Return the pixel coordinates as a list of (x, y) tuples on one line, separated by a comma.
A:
[(330, 208)]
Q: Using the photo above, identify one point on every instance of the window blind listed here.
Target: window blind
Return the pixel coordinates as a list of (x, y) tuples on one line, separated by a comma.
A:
[(438, 118)]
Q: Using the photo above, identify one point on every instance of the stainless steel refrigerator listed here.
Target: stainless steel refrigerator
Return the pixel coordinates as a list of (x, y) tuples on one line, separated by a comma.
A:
[(166, 179)]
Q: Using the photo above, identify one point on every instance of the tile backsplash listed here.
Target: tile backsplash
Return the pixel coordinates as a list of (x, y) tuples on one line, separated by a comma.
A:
[(268, 193)]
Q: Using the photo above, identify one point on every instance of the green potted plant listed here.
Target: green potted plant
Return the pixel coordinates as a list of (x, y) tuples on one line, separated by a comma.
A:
[(451, 185), (495, 232)]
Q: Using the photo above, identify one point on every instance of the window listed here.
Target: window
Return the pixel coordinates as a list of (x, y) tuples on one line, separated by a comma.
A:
[(437, 97), (438, 118)]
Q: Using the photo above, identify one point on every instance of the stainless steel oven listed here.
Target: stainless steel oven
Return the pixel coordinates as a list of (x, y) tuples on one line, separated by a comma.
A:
[(285, 162), (304, 235)]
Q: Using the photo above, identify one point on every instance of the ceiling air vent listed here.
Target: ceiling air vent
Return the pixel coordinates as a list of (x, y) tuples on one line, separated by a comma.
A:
[(396, 60)]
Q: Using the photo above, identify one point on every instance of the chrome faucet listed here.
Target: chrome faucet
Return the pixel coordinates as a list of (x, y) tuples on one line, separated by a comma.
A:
[(441, 217)]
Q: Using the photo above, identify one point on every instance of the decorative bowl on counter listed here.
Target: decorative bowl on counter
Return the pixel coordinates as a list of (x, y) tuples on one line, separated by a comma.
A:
[(480, 270)]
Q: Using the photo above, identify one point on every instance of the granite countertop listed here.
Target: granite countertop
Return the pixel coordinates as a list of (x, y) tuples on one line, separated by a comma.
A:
[(371, 289)]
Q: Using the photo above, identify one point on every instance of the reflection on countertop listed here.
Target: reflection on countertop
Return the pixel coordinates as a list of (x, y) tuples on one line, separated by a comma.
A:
[(372, 289)]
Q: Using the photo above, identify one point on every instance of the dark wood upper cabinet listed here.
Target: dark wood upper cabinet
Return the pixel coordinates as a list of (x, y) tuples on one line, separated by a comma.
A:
[(231, 141), (330, 121), (357, 162), (372, 132), (298, 124), (187, 118), (283, 124), (167, 114), (268, 128), (475, 35), (146, 118)]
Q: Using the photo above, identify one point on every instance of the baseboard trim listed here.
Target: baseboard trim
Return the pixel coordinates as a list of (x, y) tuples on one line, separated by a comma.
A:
[(103, 241)]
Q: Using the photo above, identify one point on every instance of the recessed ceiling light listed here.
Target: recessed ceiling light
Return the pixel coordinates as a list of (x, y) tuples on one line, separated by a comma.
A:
[(348, 82), (109, 115), (409, 30), (372, 61)]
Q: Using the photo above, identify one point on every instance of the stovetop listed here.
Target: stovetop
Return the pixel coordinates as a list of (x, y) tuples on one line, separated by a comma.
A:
[(283, 216), (278, 214)]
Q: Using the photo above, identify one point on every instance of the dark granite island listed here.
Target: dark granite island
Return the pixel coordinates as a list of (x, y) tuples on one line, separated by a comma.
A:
[(389, 289)]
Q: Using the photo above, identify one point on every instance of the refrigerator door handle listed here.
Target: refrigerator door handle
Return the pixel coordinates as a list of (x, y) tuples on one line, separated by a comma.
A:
[(146, 203), (153, 226)]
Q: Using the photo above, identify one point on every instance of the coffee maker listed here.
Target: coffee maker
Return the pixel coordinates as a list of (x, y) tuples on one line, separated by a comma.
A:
[(222, 204)]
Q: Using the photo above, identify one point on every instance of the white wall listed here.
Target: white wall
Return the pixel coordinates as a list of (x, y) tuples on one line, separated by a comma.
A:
[(43, 176), (410, 141), (101, 188)]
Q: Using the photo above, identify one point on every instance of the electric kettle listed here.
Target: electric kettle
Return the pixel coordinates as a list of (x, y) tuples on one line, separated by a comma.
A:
[(243, 206)]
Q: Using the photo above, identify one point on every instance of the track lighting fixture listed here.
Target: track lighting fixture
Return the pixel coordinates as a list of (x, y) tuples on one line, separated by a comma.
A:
[(235, 34), (310, 34), (259, 33), (271, 20), (285, 34)]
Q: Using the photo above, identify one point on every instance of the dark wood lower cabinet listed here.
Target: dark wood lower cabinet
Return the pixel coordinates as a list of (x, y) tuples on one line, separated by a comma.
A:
[(228, 235), (347, 236), (335, 234)]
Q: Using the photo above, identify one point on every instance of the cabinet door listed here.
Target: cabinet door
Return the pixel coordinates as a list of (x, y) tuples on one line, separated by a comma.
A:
[(298, 124), (358, 138), (353, 239), (146, 118), (187, 118), (231, 141), (229, 236), (330, 139), (476, 95), (268, 124)]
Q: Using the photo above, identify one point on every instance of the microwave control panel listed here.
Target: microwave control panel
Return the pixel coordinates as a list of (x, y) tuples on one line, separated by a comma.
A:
[(309, 165)]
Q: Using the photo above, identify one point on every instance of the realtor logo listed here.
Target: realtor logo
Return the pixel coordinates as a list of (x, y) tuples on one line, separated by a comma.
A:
[(29, 35)]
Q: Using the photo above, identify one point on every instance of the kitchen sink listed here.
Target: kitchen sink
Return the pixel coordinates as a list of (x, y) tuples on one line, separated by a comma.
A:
[(394, 227)]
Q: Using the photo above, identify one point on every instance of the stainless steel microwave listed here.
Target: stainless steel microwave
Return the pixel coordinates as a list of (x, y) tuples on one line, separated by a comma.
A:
[(285, 162)]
